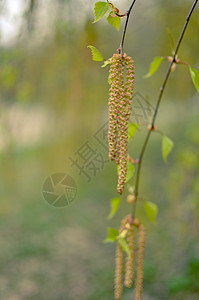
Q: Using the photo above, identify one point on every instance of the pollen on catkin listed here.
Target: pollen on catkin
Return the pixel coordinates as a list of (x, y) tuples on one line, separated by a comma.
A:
[(121, 92), (130, 259), (140, 262), (115, 95), (119, 262), (125, 220), (119, 270)]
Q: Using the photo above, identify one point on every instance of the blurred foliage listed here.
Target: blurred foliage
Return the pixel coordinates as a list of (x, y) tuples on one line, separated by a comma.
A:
[(53, 99)]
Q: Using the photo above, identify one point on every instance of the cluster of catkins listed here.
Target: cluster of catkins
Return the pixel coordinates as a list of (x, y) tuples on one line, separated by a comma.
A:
[(121, 91), (137, 254)]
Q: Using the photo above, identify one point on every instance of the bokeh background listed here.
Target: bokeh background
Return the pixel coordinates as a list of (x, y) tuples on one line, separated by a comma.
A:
[(53, 100)]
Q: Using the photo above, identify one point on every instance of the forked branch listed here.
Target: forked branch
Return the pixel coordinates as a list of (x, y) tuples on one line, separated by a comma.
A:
[(162, 89)]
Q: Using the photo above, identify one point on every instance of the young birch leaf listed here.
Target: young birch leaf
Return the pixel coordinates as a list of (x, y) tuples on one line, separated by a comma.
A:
[(100, 10), (167, 146), (96, 55), (123, 234), (112, 235), (151, 211), (115, 204), (195, 77), (130, 171), (106, 63), (132, 128), (125, 246), (154, 66), (171, 40), (114, 20)]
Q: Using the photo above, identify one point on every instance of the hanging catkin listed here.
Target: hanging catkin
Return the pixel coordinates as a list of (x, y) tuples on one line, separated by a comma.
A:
[(128, 229), (119, 270), (121, 92), (116, 93), (130, 259), (123, 122), (119, 262), (140, 262)]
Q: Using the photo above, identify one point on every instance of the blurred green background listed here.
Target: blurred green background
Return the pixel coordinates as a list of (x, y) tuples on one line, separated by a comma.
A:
[(53, 99)]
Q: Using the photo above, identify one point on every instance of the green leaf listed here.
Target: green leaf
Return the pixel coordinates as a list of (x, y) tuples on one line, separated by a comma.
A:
[(130, 170), (154, 66), (132, 128), (115, 204), (106, 63), (125, 246), (100, 10), (195, 77), (112, 235), (114, 20), (171, 40), (123, 234), (96, 55), (151, 211), (167, 145)]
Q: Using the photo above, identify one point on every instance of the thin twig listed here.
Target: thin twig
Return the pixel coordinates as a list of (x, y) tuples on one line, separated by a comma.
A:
[(124, 15), (157, 107), (125, 27)]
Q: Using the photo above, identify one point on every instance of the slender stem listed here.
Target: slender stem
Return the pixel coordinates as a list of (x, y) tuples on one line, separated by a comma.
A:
[(157, 107), (183, 63), (125, 27)]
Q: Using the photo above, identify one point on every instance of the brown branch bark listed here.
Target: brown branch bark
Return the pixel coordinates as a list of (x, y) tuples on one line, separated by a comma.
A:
[(162, 89)]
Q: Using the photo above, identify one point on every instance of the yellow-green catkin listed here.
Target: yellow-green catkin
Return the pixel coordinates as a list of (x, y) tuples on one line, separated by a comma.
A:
[(119, 262), (123, 120), (140, 262), (125, 220), (120, 95), (116, 93), (119, 270), (130, 259)]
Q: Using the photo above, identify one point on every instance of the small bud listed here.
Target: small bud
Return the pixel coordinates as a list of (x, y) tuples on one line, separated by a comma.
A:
[(131, 189), (130, 198), (173, 67), (150, 128), (170, 58), (136, 222)]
